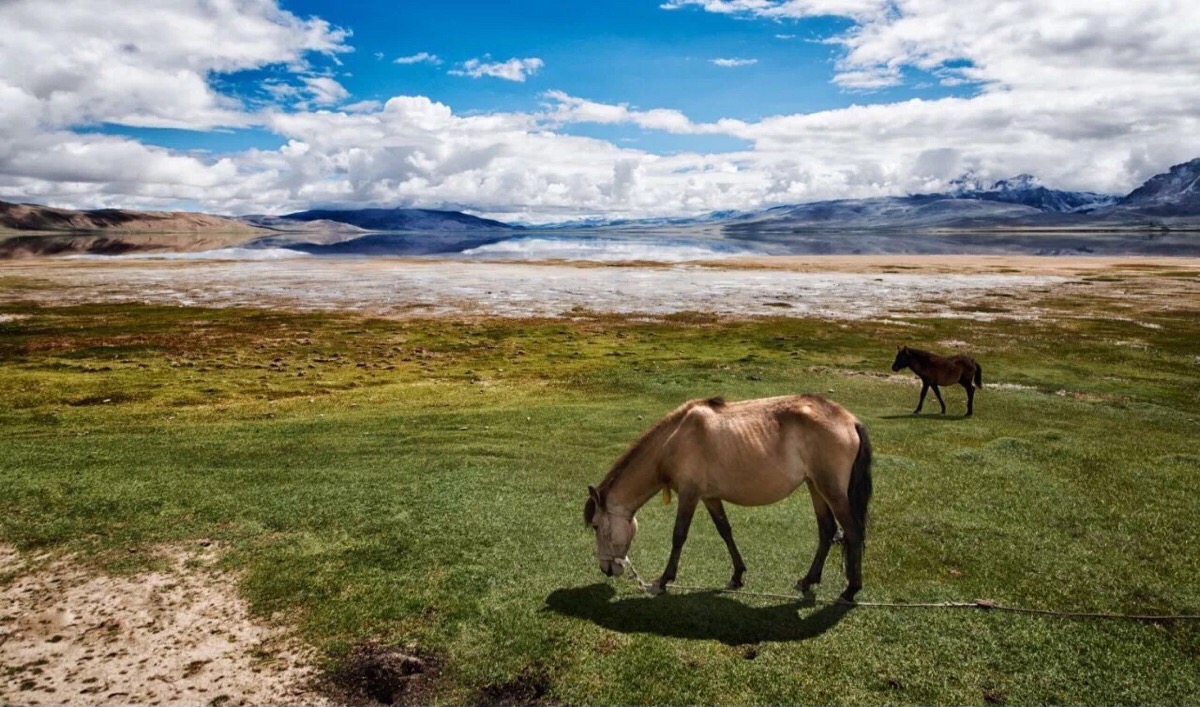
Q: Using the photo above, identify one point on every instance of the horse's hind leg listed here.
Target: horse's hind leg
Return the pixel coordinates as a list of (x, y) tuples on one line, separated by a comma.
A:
[(683, 521), (852, 546), (826, 527), (717, 510), (937, 391), (970, 398)]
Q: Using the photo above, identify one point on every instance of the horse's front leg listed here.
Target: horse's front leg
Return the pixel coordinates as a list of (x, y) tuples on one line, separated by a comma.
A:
[(717, 510), (921, 400), (938, 392), (683, 521)]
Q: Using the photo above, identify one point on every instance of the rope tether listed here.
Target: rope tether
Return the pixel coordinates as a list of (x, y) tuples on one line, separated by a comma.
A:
[(982, 604)]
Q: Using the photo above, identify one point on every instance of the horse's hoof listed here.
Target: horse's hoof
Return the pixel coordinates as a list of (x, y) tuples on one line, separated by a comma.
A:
[(657, 589), (847, 597), (735, 584), (805, 586)]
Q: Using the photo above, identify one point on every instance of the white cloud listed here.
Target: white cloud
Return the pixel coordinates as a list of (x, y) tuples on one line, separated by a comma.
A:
[(363, 107), (569, 109), (511, 70), (91, 61), (419, 58), (325, 91), (784, 9), (733, 62)]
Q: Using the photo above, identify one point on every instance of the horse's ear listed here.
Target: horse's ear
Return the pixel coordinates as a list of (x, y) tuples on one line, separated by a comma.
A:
[(589, 511), (899, 348), (596, 496)]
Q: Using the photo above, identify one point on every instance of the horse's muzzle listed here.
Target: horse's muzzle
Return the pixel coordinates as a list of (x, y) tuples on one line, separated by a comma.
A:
[(614, 567)]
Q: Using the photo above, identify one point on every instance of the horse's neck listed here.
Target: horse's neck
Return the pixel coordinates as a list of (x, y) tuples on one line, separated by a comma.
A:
[(920, 360), (637, 483)]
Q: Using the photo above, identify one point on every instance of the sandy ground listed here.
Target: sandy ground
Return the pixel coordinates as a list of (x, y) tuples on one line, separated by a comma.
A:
[(181, 636)]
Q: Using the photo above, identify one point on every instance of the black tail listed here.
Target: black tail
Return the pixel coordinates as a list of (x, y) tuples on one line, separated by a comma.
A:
[(860, 479), (978, 376)]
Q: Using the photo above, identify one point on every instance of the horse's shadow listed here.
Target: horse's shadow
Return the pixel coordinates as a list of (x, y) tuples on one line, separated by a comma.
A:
[(704, 615), (924, 417)]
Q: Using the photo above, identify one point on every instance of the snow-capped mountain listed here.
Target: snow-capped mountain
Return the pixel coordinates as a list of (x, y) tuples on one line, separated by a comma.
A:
[(1172, 193), (918, 211), (1028, 190)]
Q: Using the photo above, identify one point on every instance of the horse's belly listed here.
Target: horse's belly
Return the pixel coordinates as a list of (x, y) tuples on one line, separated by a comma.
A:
[(757, 486)]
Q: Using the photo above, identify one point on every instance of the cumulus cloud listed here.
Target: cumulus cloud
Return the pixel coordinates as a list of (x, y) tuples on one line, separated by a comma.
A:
[(511, 70), (564, 109), (733, 62), (151, 65), (419, 58)]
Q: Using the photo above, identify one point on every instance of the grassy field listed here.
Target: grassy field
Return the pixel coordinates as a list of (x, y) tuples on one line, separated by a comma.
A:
[(421, 483)]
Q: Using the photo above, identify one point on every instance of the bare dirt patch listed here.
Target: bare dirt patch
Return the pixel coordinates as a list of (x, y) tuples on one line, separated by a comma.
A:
[(373, 673), (178, 636)]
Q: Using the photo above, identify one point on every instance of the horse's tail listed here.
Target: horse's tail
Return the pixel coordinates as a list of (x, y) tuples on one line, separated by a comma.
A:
[(978, 376), (860, 480)]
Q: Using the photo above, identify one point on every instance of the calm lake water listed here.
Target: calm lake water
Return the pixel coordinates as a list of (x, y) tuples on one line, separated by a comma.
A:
[(659, 246)]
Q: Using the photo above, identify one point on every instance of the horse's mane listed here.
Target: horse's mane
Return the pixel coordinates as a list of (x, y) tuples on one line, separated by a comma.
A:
[(920, 354)]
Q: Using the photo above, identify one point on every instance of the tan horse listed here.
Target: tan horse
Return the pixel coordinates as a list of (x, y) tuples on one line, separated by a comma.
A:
[(750, 453)]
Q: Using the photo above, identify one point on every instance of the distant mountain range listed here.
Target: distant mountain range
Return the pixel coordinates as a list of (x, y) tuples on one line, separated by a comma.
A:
[(1168, 200), (1173, 193), (32, 217), (1022, 202), (401, 219), (1028, 190)]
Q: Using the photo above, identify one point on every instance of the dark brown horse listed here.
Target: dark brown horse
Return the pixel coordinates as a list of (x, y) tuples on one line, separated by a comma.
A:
[(934, 370)]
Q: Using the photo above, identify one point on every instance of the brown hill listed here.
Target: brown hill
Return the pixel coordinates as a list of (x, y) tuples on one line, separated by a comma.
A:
[(31, 217)]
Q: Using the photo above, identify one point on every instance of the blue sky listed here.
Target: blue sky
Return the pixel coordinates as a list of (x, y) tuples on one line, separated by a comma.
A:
[(543, 111), (627, 51)]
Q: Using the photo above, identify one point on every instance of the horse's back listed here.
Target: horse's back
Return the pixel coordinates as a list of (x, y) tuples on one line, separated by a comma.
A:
[(764, 415), (754, 452)]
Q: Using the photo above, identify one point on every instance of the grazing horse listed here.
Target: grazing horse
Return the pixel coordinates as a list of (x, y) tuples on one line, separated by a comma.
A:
[(935, 370), (750, 453)]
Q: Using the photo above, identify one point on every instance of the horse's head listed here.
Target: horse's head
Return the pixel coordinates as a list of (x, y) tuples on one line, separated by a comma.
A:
[(614, 534), (902, 360)]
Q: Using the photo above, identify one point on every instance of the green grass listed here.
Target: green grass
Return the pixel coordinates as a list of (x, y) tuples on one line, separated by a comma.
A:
[(422, 482)]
